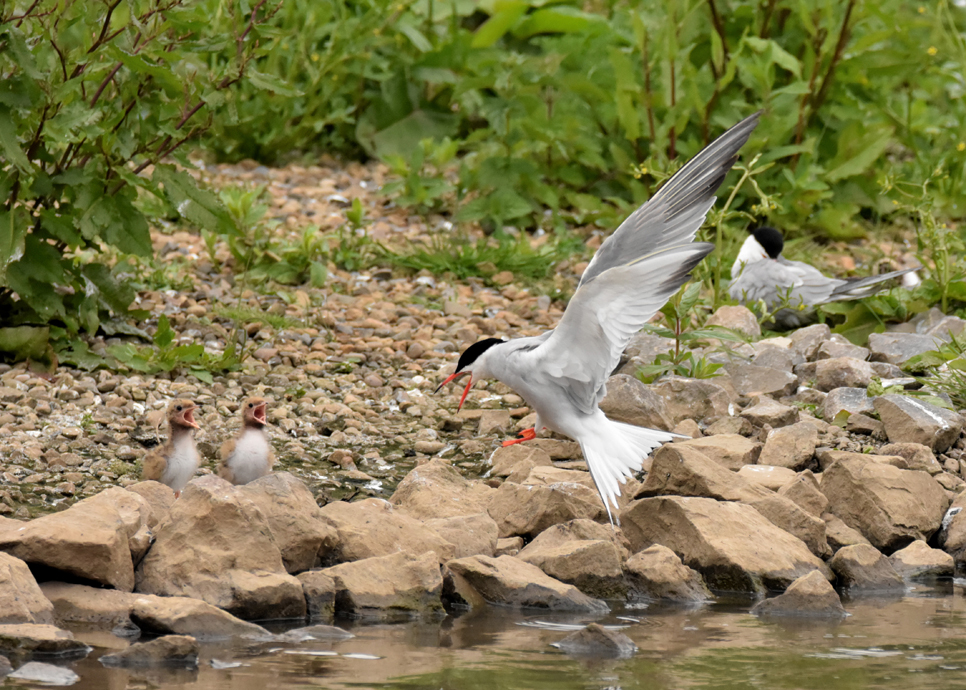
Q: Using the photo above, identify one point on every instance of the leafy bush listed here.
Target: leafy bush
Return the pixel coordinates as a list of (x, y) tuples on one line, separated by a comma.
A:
[(562, 115), (95, 99)]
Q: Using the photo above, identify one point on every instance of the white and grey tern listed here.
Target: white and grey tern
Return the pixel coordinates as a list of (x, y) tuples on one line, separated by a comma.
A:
[(562, 374)]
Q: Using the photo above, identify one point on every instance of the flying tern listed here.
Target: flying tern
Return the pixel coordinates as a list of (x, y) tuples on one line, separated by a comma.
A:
[(761, 273), (562, 374)]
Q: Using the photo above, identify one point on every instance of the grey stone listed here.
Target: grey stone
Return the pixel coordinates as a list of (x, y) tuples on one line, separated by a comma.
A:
[(840, 347), (695, 399), (749, 379), (862, 567), (790, 446), (896, 348), (737, 318), (852, 400), (807, 340), (767, 411), (46, 674), (730, 425), (810, 595), (842, 372), (646, 347), (596, 640), (777, 358), (169, 650), (948, 325), (630, 401), (908, 420), (867, 426)]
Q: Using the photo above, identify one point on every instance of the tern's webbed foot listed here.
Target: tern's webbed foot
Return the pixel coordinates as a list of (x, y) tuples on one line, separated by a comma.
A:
[(525, 435)]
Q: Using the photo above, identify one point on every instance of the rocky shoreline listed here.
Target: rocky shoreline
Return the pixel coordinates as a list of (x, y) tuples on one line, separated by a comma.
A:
[(766, 498)]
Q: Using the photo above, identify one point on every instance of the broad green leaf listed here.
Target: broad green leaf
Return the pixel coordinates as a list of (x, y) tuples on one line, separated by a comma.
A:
[(270, 82), (557, 19), (856, 155), (25, 342), (195, 204), (164, 336), (13, 234), (9, 143), (506, 14)]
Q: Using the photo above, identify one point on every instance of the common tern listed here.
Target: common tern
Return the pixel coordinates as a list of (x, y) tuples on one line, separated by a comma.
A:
[(562, 374), (761, 273)]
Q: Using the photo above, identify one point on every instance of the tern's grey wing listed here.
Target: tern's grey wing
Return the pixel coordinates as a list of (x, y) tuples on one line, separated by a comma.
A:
[(603, 315), (674, 215), (771, 281)]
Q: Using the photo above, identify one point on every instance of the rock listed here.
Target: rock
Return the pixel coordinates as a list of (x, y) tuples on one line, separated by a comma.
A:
[(507, 458), (577, 530), (186, 616), (471, 535), (729, 425), (170, 650), (768, 476), (853, 400), (833, 348), (319, 589), (5, 666), (919, 560), (436, 489), (729, 450), (896, 348), (804, 490), (889, 506), (678, 470), (597, 641), (767, 411), (657, 573), (810, 595), (592, 566), (827, 457), (95, 539), (494, 422), (45, 674), (839, 534), (373, 527), (510, 546), (737, 318), (750, 379), (317, 632), (21, 600), (730, 544), (33, 639), (645, 347), (908, 420), (783, 358), (527, 509), (97, 608), (916, 455), (688, 428), (630, 401), (217, 546), (293, 517), (862, 567), (861, 424), (808, 340), (507, 581), (159, 497), (696, 399), (386, 586), (790, 446), (842, 372)]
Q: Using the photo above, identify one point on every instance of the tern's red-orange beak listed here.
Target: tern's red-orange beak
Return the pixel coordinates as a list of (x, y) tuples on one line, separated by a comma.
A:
[(466, 391)]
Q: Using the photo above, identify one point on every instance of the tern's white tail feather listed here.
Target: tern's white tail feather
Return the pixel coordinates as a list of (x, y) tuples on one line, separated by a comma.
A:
[(614, 451)]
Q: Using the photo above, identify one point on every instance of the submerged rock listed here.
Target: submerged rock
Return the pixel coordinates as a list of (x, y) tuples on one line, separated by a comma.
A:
[(170, 650), (810, 595), (45, 674), (596, 640), (31, 639), (658, 573)]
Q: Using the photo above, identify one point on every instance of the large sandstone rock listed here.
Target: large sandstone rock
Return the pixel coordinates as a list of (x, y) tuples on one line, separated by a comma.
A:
[(681, 471), (908, 420), (374, 527), (657, 573), (730, 450), (810, 595), (839, 534), (507, 581), (889, 506), (767, 411), (769, 476), (97, 608), (319, 589), (597, 641), (916, 455), (436, 489), (919, 560), (528, 509), (582, 530), (862, 567), (730, 544), (21, 600), (293, 517), (842, 372), (696, 399), (630, 401), (397, 584), (592, 566), (217, 546), (896, 348), (159, 497), (97, 539), (471, 535), (827, 457), (750, 379), (170, 650), (790, 446), (805, 491), (24, 640), (506, 459)]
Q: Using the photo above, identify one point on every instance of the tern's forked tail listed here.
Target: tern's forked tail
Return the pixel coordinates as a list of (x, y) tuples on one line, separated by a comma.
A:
[(615, 451)]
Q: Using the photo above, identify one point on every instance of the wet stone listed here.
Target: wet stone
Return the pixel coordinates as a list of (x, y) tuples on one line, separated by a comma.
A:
[(597, 641)]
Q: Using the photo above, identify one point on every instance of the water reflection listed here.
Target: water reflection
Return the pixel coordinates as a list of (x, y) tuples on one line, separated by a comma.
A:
[(910, 642)]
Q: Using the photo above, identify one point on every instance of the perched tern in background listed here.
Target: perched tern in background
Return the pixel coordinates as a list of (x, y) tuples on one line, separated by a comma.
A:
[(562, 374), (761, 273)]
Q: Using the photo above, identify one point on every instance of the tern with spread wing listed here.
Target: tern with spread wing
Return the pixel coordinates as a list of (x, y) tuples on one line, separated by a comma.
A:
[(761, 273), (562, 374)]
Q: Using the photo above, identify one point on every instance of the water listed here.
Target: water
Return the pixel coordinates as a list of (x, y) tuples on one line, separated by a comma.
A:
[(909, 642)]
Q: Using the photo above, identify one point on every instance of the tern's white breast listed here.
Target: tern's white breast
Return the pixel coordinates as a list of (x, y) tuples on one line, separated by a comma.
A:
[(249, 461), (182, 464)]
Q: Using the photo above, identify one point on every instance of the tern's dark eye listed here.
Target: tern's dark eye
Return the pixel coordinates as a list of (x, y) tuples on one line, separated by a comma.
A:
[(179, 408), (251, 405)]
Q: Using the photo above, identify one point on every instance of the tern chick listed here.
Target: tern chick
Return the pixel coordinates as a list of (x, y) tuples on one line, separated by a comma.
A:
[(248, 456), (177, 460)]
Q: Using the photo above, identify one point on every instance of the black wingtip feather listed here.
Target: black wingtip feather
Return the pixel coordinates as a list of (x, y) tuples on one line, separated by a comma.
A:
[(682, 273)]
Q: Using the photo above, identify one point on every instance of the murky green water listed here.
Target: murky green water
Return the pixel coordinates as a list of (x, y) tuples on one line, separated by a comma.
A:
[(916, 641)]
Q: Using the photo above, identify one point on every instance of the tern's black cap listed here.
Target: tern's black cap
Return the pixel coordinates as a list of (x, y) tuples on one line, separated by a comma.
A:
[(770, 240), (472, 353)]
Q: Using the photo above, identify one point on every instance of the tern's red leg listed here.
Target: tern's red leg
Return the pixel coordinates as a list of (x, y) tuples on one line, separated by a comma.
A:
[(525, 435)]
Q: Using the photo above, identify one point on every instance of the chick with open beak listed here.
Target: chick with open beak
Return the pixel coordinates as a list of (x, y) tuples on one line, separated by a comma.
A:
[(177, 460), (249, 455)]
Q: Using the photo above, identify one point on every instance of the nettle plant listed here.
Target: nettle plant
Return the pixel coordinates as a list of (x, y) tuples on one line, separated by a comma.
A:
[(96, 99)]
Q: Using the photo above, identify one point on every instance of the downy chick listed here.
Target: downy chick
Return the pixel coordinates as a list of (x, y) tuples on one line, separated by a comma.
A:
[(177, 460), (248, 456)]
